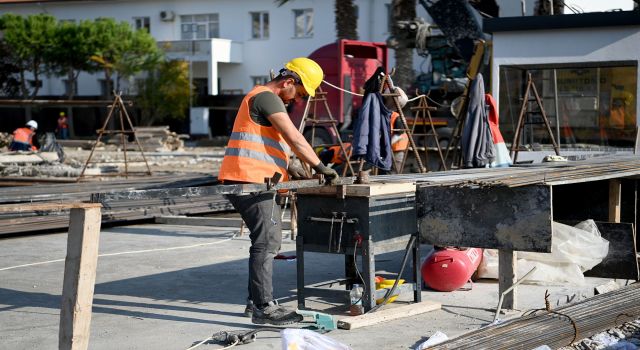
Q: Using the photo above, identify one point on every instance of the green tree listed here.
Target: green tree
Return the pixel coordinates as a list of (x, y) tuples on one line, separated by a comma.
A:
[(73, 47), (29, 43), (122, 51), (9, 83), (165, 93), (403, 10)]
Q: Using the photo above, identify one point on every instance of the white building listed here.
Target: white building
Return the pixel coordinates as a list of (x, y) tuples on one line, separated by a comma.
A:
[(232, 45)]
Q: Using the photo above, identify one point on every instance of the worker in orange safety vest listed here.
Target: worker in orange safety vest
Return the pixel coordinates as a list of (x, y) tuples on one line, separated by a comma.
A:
[(63, 126), (23, 137), (399, 138), (258, 148)]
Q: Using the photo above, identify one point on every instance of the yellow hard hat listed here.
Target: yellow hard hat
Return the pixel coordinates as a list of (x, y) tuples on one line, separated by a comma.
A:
[(309, 72)]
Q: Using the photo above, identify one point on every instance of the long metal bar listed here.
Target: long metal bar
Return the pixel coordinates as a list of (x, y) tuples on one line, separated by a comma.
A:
[(104, 103), (189, 192)]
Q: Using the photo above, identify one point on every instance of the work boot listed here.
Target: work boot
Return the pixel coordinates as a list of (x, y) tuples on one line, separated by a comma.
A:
[(248, 310), (275, 314)]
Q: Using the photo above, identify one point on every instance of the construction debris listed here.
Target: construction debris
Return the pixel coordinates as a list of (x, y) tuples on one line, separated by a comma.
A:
[(155, 139)]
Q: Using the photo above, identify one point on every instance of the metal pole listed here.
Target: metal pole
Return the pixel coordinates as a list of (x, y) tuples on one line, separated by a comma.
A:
[(555, 99)]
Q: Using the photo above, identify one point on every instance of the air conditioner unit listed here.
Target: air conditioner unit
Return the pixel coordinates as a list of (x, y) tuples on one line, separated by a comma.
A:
[(167, 16)]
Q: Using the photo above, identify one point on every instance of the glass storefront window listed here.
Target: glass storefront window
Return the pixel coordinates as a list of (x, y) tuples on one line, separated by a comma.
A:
[(596, 105)]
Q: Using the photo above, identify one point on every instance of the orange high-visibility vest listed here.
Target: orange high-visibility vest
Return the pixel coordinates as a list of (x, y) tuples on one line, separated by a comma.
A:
[(254, 151), (338, 156), (62, 123), (403, 142), (23, 135)]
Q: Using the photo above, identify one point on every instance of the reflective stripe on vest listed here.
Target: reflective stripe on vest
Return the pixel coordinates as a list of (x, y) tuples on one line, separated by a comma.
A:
[(254, 151), (23, 135)]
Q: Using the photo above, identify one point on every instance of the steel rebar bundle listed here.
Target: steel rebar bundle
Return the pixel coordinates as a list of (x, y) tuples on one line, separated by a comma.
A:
[(555, 328), (550, 174)]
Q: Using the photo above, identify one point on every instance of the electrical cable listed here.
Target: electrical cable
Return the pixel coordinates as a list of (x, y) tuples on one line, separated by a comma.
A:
[(410, 100), (233, 338), (341, 89), (355, 264), (395, 284)]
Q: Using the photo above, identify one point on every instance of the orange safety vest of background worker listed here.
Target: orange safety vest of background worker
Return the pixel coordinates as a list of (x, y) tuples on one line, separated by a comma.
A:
[(63, 126), (399, 142), (262, 149), (23, 137)]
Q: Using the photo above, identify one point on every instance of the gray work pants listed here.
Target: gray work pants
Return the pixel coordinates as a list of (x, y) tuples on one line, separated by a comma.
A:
[(266, 239)]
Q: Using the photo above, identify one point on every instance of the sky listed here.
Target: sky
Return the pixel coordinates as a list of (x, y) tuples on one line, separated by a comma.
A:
[(599, 5)]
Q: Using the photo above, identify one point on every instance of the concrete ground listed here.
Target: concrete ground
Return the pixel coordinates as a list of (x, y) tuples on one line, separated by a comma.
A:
[(169, 287)]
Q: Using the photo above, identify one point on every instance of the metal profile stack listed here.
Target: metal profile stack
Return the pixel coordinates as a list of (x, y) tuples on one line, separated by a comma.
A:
[(557, 328)]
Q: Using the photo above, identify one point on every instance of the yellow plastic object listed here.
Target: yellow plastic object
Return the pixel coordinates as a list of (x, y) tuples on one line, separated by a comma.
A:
[(388, 283), (309, 72)]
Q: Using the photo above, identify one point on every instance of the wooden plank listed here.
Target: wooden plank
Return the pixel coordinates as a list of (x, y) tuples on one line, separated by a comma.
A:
[(79, 278), (209, 221), (497, 217), (615, 199), (362, 190), (389, 313), (47, 207), (507, 276)]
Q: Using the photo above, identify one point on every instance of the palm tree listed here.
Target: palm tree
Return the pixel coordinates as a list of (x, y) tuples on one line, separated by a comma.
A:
[(403, 10), (346, 21)]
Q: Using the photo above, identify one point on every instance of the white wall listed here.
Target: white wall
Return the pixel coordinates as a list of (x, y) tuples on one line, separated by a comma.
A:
[(592, 45), (259, 55)]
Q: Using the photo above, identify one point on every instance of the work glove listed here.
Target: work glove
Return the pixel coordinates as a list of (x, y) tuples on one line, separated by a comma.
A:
[(296, 171), (330, 175)]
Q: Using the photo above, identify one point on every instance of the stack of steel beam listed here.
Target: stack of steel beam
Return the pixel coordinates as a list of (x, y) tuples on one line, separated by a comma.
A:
[(114, 212), (555, 328)]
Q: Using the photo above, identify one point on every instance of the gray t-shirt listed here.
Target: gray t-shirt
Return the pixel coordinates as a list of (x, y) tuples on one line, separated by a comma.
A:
[(264, 104)]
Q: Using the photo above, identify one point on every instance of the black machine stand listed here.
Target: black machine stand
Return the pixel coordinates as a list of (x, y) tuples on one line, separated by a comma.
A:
[(352, 221)]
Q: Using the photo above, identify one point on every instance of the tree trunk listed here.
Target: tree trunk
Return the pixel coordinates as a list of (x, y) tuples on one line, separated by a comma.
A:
[(346, 21), (403, 10)]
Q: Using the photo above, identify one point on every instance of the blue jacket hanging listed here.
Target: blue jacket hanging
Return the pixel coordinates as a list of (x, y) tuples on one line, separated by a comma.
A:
[(371, 133)]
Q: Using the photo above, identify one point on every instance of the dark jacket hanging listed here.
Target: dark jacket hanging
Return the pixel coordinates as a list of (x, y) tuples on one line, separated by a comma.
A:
[(371, 133), (476, 142)]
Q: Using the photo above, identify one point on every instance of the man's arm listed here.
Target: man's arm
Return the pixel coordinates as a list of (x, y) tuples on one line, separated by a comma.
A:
[(300, 146), (294, 138)]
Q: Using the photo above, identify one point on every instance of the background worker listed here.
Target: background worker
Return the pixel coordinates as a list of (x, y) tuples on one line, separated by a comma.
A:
[(62, 131), (334, 156), (399, 138), (23, 137), (258, 148)]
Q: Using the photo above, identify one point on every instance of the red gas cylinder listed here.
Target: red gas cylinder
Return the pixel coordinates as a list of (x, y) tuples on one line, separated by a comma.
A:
[(448, 269)]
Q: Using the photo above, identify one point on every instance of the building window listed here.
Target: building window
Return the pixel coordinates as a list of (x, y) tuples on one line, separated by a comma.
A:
[(596, 105), (260, 80), (303, 23), (142, 23), (259, 25), (70, 87), (199, 26), (104, 91)]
